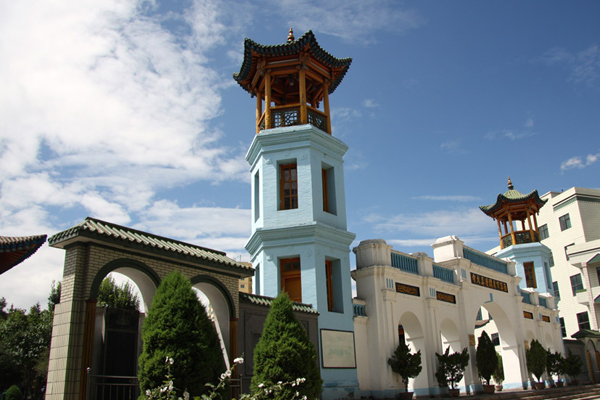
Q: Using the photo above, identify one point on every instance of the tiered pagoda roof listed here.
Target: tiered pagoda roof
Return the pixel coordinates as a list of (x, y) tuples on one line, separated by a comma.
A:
[(14, 250)]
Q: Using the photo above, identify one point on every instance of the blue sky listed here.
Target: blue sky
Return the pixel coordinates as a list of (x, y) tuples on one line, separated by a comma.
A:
[(126, 111)]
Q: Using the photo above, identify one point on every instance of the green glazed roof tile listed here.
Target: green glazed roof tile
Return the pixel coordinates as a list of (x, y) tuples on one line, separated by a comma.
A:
[(95, 228), (267, 301), (290, 48)]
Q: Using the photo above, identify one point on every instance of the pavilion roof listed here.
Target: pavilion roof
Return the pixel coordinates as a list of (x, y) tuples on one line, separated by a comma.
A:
[(92, 229), (16, 249), (511, 198), (253, 52)]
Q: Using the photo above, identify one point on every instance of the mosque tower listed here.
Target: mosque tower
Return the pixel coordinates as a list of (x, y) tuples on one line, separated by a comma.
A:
[(300, 243), (533, 259)]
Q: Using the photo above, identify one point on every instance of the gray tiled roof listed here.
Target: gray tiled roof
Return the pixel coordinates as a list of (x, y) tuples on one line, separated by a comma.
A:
[(95, 228), (267, 301)]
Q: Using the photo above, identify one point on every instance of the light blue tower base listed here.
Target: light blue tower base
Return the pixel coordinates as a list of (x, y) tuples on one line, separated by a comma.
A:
[(531, 252), (310, 234)]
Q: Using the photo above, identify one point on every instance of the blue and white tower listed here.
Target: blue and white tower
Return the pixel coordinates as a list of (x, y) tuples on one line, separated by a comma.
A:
[(522, 243), (300, 243)]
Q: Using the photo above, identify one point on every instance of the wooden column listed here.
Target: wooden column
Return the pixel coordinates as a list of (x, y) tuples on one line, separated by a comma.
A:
[(258, 110), (326, 105), (530, 227), (233, 353), (512, 230), (88, 346), (500, 233), (268, 100), (302, 87)]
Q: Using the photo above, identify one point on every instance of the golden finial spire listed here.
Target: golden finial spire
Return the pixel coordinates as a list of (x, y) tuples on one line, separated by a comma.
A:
[(510, 185), (291, 36)]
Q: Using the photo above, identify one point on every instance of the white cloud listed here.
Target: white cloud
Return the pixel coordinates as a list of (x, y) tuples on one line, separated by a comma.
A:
[(434, 224), (579, 162), (510, 134), (454, 147), (529, 123), (583, 66), (352, 20), (448, 198), (370, 103)]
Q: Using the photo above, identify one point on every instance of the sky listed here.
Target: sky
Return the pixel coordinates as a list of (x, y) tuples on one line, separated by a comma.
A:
[(126, 111)]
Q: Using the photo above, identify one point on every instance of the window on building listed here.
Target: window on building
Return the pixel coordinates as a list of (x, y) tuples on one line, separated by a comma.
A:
[(583, 320), (530, 275), (496, 339), (290, 278), (256, 196), (598, 274), (547, 276), (556, 291), (328, 179), (563, 330), (288, 186), (257, 279), (544, 232), (576, 283), (329, 284), (551, 260), (479, 316), (401, 335), (565, 222), (333, 281)]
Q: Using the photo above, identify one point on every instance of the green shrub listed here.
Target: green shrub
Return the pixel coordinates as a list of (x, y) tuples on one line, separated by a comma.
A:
[(486, 358), (178, 327), (405, 363), (572, 365), (498, 374), (284, 353), (451, 367), (536, 359), (13, 393)]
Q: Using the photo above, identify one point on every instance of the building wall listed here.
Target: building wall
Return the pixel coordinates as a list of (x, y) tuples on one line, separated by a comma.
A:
[(583, 207), (85, 263), (418, 299)]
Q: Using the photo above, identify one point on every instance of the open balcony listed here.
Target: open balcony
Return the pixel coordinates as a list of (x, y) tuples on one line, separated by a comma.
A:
[(521, 237), (289, 115)]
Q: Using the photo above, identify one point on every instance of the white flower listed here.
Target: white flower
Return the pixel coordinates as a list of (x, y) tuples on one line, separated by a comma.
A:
[(171, 361), (261, 385), (223, 376), (239, 360)]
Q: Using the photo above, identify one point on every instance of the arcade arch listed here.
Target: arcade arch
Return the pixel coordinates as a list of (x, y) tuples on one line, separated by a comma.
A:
[(415, 339), (497, 321), (95, 248)]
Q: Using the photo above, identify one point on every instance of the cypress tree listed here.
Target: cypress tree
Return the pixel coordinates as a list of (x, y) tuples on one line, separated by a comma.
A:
[(486, 357), (284, 353), (178, 327)]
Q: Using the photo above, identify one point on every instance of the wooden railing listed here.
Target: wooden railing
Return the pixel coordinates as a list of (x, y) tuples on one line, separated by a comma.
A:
[(289, 115), (521, 237)]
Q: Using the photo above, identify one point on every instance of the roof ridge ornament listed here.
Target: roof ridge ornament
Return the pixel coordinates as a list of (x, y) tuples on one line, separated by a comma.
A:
[(510, 184), (290, 37)]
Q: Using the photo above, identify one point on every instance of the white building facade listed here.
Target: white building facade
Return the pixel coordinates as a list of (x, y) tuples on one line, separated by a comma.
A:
[(434, 304), (570, 227)]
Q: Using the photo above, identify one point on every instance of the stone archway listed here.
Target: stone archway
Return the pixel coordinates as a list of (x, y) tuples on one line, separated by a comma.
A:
[(415, 338), (95, 248), (450, 336), (508, 347), (221, 306)]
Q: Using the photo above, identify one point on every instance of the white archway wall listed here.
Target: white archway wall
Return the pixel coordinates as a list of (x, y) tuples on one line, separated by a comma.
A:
[(509, 344), (144, 286), (414, 334), (449, 336), (221, 312)]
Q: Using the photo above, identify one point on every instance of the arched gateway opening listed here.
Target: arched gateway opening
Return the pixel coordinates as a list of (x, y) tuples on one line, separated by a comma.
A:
[(492, 319), (96, 248), (411, 330)]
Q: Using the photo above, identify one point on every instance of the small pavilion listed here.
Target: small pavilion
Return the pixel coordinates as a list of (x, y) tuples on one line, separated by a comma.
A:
[(292, 81), (513, 206)]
